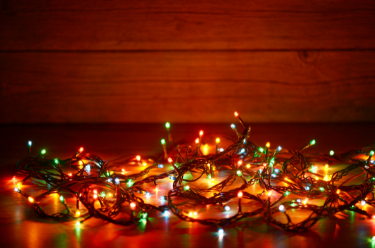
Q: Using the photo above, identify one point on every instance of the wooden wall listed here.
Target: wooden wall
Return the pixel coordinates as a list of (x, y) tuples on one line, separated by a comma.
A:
[(187, 61)]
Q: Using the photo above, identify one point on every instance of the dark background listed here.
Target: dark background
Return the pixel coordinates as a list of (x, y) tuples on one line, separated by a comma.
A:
[(186, 61)]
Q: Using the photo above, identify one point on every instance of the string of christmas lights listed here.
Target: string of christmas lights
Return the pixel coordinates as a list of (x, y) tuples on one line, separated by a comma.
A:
[(105, 190)]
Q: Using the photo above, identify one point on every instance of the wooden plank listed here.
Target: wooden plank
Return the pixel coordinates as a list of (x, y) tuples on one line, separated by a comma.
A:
[(187, 87), (182, 25)]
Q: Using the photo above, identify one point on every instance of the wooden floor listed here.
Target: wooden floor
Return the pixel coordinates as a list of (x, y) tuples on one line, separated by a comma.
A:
[(22, 227)]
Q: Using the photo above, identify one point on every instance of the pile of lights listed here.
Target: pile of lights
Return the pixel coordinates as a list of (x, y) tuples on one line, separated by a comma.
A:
[(104, 190)]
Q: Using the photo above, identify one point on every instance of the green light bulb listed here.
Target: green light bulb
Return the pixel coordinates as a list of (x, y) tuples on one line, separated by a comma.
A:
[(43, 151), (372, 153), (163, 141), (62, 198), (167, 125), (187, 187), (239, 173), (261, 149), (286, 193), (56, 161), (312, 142)]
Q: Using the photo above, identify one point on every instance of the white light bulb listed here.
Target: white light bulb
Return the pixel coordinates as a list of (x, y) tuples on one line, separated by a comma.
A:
[(282, 208)]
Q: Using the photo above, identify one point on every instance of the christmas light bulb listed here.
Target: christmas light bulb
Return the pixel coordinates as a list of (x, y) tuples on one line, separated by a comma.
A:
[(248, 166), (312, 142), (17, 189), (268, 144), (167, 125), (170, 160), (217, 140), (372, 153), (338, 191), (331, 153), (239, 173), (221, 232), (163, 141), (30, 199), (201, 133), (81, 149), (43, 151), (78, 213), (282, 208), (187, 187), (117, 180), (30, 143), (160, 165), (197, 141), (279, 148), (232, 126), (56, 161), (138, 158), (240, 194), (363, 202), (286, 193), (62, 198), (261, 149), (226, 208)]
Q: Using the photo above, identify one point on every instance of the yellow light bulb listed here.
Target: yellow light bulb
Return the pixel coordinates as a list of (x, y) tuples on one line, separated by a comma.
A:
[(268, 144), (217, 140), (78, 213), (30, 199)]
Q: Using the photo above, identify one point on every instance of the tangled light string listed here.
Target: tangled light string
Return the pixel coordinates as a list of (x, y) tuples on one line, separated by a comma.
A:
[(104, 191)]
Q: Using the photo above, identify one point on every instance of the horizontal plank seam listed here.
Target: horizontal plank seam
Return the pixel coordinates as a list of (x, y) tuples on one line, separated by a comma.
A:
[(189, 50)]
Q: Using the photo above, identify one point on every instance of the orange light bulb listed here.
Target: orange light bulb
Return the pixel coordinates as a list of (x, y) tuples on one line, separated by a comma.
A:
[(240, 194)]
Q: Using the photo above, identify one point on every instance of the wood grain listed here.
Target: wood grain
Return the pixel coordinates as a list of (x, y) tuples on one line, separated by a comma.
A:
[(187, 86), (185, 25)]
